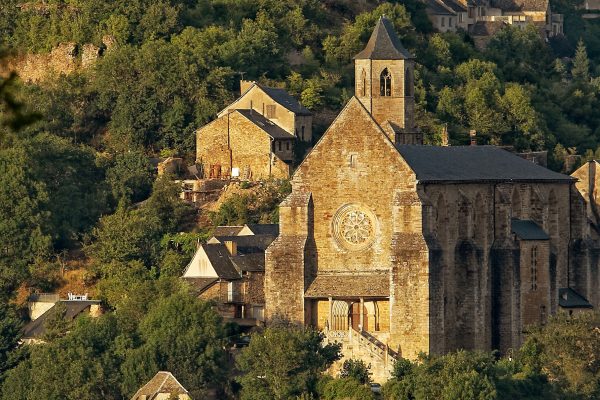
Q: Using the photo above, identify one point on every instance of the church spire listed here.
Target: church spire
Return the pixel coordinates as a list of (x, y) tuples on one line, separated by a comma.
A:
[(384, 44)]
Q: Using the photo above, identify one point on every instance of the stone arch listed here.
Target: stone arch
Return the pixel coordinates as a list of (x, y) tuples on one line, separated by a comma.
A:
[(536, 207), (339, 316), (385, 83), (441, 219), (516, 204), (408, 83), (480, 223), (464, 216), (553, 215)]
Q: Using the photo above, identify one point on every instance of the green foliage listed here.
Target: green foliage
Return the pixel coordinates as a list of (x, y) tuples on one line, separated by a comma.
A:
[(130, 177), (182, 335), (346, 388), (284, 361), (10, 334), (356, 369), (581, 64)]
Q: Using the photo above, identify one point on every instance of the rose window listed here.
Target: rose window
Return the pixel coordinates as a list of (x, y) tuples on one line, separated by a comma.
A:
[(353, 227)]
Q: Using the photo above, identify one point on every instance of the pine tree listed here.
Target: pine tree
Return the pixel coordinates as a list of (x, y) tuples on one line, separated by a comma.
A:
[(581, 64)]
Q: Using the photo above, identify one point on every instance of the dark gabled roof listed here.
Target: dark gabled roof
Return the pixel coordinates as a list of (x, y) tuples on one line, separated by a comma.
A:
[(199, 285), (487, 28), (249, 244), (253, 262), (227, 230), (162, 383), (568, 298), (272, 129), (264, 229), (521, 5), (374, 285), (455, 5), (384, 44), (473, 164), (526, 229), (37, 327), (285, 99), (437, 7), (219, 258)]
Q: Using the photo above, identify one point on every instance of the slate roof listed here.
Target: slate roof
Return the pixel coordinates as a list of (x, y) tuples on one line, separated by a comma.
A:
[(487, 28), (253, 262), (349, 286), (199, 285), (264, 229), (37, 328), (272, 129), (473, 164), (219, 258), (384, 44), (569, 298), (288, 101), (227, 230), (527, 230), (455, 5), (437, 7), (162, 383), (248, 244), (521, 5)]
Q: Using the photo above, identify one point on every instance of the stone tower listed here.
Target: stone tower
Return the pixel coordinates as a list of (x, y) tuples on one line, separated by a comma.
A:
[(384, 73)]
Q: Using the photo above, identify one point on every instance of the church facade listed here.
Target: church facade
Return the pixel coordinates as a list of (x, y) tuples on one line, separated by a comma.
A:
[(421, 248)]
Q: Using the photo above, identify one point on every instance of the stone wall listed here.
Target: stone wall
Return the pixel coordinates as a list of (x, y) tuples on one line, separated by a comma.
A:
[(232, 141)]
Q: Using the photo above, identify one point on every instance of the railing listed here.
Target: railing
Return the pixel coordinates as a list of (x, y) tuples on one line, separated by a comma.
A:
[(374, 345)]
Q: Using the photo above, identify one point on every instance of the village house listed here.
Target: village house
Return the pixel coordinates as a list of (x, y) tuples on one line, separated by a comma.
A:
[(229, 270), (395, 249), (163, 386), (483, 18), (254, 137), (42, 307)]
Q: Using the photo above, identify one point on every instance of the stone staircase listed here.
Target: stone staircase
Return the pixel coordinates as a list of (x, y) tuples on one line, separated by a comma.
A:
[(366, 347)]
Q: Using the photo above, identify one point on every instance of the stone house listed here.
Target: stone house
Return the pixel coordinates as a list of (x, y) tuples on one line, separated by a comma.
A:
[(42, 307), (398, 249), (254, 137), (481, 17), (230, 271), (163, 386)]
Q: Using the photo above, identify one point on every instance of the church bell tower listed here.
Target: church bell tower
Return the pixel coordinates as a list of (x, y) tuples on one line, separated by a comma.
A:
[(384, 82)]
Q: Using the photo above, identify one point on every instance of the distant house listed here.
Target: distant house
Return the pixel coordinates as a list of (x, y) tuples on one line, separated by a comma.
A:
[(229, 269), (163, 386), (254, 137), (572, 302), (483, 18), (42, 307)]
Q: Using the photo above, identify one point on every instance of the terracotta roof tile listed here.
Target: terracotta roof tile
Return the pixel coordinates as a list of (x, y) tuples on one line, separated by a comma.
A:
[(375, 285)]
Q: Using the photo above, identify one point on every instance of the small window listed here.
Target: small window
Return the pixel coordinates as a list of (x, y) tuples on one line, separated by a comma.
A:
[(353, 160), (443, 21), (271, 111), (279, 145), (534, 262), (287, 145), (385, 82), (450, 22), (230, 292)]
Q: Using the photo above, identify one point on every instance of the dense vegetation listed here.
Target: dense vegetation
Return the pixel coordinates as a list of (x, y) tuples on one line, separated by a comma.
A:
[(75, 175)]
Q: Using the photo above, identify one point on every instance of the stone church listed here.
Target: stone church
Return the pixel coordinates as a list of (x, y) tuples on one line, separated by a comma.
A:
[(403, 248)]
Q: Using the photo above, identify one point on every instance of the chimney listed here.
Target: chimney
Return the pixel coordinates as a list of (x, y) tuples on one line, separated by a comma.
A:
[(245, 85), (231, 247), (473, 135)]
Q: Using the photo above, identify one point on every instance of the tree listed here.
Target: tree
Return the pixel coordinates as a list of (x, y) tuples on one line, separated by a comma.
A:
[(10, 334), (581, 64), (284, 361), (347, 388), (182, 335), (356, 369)]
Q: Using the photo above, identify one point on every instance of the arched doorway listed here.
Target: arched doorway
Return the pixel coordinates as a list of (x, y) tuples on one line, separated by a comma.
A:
[(339, 316), (354, 317)]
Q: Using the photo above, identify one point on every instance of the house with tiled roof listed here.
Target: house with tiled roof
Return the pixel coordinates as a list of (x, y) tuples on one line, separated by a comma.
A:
[(254, 137), (229, 270), (163, 386)]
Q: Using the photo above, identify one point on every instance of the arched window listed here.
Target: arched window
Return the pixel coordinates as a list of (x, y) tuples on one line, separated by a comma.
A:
[(364, 83), (385, 82)]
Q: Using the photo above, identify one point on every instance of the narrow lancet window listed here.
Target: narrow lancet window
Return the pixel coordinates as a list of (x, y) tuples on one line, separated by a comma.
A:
[(386, 83)]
